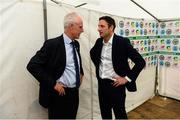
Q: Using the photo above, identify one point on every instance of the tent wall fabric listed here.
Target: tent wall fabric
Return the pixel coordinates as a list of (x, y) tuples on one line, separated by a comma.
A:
[(169, 84), (168, 59), (22, 34)]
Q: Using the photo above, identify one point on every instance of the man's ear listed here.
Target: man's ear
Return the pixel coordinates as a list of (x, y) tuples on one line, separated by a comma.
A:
[(111, 28)]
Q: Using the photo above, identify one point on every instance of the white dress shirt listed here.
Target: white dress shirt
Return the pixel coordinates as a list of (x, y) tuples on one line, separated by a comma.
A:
[(68, 77), (106, 70)]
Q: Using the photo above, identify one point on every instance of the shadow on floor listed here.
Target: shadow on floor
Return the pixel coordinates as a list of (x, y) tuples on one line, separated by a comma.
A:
[(157, 108)]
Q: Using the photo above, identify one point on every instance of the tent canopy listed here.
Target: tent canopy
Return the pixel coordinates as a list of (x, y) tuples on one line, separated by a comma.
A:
[(161, 9)]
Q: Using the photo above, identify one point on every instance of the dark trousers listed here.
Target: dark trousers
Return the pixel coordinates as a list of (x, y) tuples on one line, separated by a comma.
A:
[(111, 98), (64, 107)]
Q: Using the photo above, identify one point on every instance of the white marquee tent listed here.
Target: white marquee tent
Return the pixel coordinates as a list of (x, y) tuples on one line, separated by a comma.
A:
[(22, 33)]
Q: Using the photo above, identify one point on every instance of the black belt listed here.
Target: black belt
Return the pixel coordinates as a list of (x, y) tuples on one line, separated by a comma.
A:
[(106, 81)]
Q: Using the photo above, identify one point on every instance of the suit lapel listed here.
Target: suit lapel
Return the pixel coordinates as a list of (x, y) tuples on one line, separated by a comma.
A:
[(61, 52), (114, 43), (99, 50), (115, 49)]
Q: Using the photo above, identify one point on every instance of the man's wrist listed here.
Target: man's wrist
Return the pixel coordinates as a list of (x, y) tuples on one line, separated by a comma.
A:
[(128, 79)]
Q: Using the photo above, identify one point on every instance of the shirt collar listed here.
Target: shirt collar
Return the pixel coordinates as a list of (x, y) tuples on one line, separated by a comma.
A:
[(67, 40), (110, 40)]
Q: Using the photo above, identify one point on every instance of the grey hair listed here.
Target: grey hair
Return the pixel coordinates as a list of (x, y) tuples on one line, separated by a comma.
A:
[(70, 19)]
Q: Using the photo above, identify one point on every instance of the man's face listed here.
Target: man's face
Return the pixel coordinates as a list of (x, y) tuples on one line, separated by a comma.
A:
[(103, 29), (77, 28)]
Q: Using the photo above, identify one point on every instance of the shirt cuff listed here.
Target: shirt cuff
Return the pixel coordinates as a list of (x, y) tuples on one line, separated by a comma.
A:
[(128, 79)]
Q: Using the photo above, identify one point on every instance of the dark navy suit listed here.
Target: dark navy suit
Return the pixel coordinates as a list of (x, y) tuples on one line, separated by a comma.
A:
[(47, 66)]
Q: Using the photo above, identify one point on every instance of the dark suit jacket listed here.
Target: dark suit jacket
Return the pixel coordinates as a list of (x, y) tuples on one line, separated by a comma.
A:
[(121, 51), (48, 65)]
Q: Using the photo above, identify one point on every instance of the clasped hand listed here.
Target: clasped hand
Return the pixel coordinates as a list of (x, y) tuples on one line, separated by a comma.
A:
[(59, 87), (119, 81)]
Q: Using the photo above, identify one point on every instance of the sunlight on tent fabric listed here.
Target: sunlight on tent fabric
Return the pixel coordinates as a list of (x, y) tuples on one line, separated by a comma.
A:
[(162, 9), (123, 8)]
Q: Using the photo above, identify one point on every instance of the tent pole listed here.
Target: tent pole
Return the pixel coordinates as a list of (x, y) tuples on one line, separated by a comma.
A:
[(59, 3), (145, 10), (156, 80), (45, 20), (80, 5)]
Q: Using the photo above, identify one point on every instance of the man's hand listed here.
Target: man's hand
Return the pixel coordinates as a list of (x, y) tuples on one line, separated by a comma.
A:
[(119, 81), (59, 87)]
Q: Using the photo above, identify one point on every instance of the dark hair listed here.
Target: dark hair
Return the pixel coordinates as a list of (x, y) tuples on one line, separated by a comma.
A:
[(109, 20)]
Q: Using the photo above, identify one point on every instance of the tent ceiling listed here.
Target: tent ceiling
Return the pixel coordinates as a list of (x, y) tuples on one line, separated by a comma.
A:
[(162, 9)]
